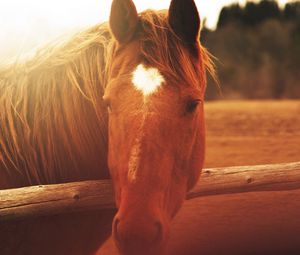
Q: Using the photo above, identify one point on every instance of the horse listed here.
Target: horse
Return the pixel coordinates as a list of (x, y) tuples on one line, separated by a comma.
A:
[(121, 100)]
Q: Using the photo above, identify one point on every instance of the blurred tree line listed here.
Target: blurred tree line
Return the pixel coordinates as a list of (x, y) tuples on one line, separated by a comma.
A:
[(258, 51)]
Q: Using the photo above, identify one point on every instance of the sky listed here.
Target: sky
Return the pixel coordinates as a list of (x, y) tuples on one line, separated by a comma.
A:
[(25, 24)]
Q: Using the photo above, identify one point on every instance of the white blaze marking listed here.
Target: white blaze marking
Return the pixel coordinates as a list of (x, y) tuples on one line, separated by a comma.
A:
[(147, 80), (134, 160), (135, 153)]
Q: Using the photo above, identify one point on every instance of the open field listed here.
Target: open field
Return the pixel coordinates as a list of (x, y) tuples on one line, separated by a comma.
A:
[(243, 133), (249, 133)]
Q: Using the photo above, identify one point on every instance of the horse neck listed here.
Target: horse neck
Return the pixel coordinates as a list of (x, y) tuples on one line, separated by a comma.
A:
[(57, 137)]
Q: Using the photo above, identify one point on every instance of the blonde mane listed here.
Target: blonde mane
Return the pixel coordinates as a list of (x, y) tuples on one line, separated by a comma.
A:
[(53, 121), (52, 104)]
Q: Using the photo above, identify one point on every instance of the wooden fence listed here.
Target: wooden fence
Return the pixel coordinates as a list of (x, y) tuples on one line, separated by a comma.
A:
[(43, 200)]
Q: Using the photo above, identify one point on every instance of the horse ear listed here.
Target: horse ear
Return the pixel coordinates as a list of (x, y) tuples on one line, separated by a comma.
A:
[(184, 20), (123, 20)]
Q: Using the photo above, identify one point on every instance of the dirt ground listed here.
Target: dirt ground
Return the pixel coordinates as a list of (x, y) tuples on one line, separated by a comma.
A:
[(243, 133), (249, 133)]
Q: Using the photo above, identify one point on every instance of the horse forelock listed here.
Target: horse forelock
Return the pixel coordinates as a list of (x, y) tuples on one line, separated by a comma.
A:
[(161, 48)]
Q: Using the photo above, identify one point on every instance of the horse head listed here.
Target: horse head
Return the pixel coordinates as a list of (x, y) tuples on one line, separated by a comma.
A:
[(154, 96)]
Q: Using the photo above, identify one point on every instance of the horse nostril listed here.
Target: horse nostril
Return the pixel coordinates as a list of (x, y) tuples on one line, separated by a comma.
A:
[(159, 234), (115, 229)]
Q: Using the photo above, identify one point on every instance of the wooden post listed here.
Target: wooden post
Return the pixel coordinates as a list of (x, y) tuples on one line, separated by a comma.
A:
[(98, 195)]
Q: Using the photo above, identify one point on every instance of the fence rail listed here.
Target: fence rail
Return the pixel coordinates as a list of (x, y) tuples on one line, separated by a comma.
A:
[(55, 199)]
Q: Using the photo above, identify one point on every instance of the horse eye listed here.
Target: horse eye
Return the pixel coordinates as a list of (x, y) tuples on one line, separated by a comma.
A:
[(192, 105)]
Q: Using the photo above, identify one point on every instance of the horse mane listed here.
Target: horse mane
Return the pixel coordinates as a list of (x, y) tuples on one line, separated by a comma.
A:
[(51, 110)]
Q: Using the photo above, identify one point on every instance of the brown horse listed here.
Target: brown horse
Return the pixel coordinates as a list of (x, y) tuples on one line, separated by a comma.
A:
[(132, 98)]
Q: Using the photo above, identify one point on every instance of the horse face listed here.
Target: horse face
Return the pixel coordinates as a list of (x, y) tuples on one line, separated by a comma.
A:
[(156, 133)]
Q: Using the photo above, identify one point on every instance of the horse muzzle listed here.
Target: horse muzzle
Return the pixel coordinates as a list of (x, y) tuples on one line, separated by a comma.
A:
[(140, 229)]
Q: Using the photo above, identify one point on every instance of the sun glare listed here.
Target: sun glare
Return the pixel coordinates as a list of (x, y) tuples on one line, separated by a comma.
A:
[(26, 24)]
